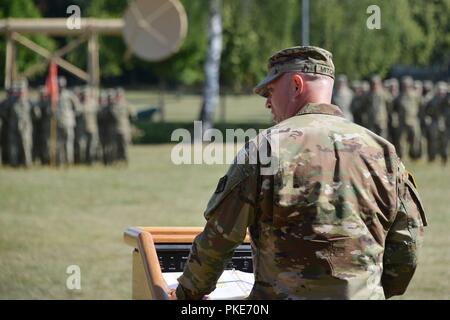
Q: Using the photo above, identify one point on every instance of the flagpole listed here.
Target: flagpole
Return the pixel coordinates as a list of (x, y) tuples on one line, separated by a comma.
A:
[(53, 135), (52, 90)]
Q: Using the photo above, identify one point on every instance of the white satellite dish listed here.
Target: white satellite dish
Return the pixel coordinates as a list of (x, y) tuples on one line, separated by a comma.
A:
[(154, 29)]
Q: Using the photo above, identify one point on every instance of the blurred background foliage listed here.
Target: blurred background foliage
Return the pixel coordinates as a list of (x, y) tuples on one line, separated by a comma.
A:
[(413, 32)]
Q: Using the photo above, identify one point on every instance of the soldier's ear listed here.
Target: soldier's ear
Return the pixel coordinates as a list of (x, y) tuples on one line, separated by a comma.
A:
[(298, 84)]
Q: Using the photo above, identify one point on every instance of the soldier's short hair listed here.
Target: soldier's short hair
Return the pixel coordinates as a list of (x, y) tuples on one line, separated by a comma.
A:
[(365, 85), (407, 81), (342, 78), (62, 82), (442, 86), (356, 84), (111, 93), (418, 83), (375, 79), (428, 84), (120, 92)]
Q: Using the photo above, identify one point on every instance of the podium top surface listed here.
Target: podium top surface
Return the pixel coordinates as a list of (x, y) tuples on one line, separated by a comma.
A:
[(165, 234)]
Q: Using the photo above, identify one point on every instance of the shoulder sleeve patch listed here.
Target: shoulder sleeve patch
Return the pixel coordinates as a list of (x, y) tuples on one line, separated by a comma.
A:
[(221, 185), (227, 183)]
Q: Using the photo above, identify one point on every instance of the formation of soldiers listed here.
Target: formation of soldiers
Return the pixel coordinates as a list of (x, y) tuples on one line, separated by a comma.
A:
[(413, 115), (86, 129)]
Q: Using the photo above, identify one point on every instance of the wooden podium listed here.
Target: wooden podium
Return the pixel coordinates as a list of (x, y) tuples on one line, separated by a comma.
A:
[(157, 250)]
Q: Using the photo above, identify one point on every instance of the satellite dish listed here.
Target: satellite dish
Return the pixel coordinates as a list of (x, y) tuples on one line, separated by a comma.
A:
[(154, 29)]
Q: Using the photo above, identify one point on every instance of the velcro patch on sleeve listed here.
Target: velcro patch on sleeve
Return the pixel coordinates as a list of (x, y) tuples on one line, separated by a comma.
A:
[(221, 185)]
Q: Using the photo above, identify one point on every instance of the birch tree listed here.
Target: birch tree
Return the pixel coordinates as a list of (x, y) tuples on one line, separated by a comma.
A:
[(212, 65)]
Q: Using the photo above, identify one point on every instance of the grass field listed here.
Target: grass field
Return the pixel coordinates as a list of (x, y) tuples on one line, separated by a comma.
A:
[(53, 218)]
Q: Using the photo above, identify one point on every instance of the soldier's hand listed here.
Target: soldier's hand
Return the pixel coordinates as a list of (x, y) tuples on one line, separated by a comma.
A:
[(172, 294)]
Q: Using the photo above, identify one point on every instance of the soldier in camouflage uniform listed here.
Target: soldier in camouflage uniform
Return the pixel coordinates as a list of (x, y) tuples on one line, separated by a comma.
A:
[(339, 218), (437, 119), (343, 96), (80, 140), (407, 105), (392, 90), (4, 105), (365, 86), (375, 106), (108, 128), (418, 88), (101, 123), (357, 106), (427, 96), (36, 116), (65, 119), (43, 131), (446, 136), (428, 91), (90, 109), (122, 114), (20, 140)]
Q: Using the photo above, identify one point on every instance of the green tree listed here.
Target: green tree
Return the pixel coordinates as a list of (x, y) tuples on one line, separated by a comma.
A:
[(24, 56), (340, 26), (412, 32), (251, 35)]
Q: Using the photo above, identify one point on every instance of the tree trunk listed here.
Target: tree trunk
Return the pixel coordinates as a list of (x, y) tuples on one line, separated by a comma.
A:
[(212, 65)]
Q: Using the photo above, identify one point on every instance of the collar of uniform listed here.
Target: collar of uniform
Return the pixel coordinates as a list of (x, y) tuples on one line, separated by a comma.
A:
[(321, 108)]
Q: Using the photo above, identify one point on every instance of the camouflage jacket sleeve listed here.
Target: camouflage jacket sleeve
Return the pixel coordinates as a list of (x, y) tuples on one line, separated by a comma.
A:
[(404, 238), (230, 211)]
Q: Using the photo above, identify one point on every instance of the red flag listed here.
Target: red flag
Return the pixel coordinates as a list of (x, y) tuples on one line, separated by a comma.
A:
[(51, 85)]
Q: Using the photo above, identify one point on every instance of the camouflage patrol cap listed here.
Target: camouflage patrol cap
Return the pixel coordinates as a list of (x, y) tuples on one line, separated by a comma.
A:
[(365, 85), (342, 78), (428, 85), (120, 92), (393, 82), (305, 59), (375, 79), (111, 93), (356, 84), (407, 81), (442, 86), (62, 82)]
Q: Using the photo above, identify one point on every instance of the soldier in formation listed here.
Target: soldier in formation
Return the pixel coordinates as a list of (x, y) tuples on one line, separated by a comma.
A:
[(90, 109), (87, 128), (114, 119), (375, 105), (437, 120), (16, 128), (122, 114), (413, 115), (406, 107), (343, 96)]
